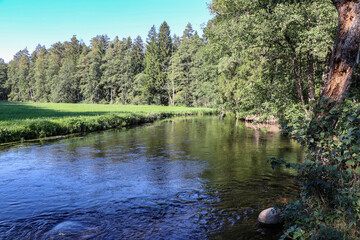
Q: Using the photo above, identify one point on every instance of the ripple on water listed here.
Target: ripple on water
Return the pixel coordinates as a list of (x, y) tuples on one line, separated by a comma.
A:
[(71, 230)]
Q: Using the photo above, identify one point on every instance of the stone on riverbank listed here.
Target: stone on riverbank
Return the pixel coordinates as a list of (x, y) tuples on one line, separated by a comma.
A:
[(270, 216)]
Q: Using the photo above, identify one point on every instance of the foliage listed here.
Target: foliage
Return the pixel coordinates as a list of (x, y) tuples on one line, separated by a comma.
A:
[(117, 71), (270, 54), (258, 58), (181, 76), (18, 71), (40, 66), (157, 59), (65, 87), (329, 205), (91, 65)]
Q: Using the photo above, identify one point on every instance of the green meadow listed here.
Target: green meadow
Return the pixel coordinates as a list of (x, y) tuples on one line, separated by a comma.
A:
[(24, 121)]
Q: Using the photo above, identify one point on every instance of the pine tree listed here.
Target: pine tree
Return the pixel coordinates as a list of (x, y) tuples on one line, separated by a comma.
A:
[(157, 58), (137, 53), (91, 88), (165, 52), (127, 76), (176, 42), (111, 71), (73, 49), (31, 75), (137, 63), (99, 44), (3, 79), (53, 62), (40, 67), (180, 84), (82, 69), (188, 32), (117, 71), (204, 73), (65, 89), (152, 66), (18, 71), (57, 51)]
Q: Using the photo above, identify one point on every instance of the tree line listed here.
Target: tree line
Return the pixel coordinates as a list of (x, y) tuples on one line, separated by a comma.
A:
[(265, 58), (118, 71)]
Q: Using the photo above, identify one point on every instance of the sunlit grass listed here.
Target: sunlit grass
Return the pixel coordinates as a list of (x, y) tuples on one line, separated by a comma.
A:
[(19, 111), (21, 121)]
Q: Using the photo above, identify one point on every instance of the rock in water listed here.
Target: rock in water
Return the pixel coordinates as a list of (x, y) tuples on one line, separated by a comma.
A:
[(269, 216), (71, 230)]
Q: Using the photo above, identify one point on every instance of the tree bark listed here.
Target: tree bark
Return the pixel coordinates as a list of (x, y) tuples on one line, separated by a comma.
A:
[(342, 64), (346, 49), (311, 78), (326, 71), (298, 82)]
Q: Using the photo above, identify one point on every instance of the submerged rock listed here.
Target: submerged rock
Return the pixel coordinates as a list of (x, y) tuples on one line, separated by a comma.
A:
[(270, 216), (72, 230)]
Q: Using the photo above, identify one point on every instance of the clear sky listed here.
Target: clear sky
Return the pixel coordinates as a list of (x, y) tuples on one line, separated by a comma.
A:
[(26, 23)]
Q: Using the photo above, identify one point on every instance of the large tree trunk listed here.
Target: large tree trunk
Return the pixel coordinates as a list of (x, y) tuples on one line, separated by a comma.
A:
[(342, 64), (346, 49)]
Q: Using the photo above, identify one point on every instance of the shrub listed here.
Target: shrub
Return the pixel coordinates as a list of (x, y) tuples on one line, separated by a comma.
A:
[(329, 205)]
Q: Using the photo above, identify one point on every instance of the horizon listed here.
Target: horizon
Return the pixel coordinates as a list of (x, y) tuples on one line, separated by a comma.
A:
[(40, 22)]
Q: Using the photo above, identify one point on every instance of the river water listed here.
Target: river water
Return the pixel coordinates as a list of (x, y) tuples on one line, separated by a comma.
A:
[(195, 178)]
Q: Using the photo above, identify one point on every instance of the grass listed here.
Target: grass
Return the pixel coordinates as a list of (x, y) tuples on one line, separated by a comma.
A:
[(24, 121)]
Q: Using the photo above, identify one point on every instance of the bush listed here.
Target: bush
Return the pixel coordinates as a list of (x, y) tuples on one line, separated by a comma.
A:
[(329, 205)]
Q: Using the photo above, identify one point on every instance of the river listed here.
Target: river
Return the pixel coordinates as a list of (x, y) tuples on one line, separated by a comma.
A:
[(192, 178)]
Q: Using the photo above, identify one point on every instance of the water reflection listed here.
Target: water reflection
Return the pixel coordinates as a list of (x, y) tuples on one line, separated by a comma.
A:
[(197, 178)]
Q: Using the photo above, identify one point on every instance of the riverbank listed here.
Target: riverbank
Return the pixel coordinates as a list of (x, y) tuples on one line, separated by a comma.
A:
[(25, 121)]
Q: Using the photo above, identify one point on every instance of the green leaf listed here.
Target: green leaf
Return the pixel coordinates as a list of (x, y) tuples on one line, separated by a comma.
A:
[(350, 162)]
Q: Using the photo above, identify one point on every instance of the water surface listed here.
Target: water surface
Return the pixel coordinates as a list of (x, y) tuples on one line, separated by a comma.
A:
[(196, 178)]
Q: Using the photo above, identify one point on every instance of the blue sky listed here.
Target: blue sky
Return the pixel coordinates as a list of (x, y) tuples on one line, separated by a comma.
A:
[(26, 23)]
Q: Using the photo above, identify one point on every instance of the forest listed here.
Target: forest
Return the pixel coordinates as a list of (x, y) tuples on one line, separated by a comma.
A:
[(254, 58)]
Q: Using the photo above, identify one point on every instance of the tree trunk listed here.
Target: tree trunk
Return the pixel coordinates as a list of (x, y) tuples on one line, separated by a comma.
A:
[(298, 82), (342, 64), (125, 95), (170, 98), (169, 94), (326, 71), (311, 78), (173, 93), (346, 49)]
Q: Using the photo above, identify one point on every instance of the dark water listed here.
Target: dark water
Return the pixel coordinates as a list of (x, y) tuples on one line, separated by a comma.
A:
[(196, 178)]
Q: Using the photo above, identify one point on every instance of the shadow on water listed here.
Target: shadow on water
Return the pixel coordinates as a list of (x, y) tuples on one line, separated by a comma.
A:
[(196, 178), (10, 111)]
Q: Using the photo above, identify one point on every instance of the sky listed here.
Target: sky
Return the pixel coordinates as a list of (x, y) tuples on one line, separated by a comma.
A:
[(27, 23)]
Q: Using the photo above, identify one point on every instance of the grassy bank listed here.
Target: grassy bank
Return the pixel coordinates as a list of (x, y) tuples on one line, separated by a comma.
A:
[(24, 121)]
